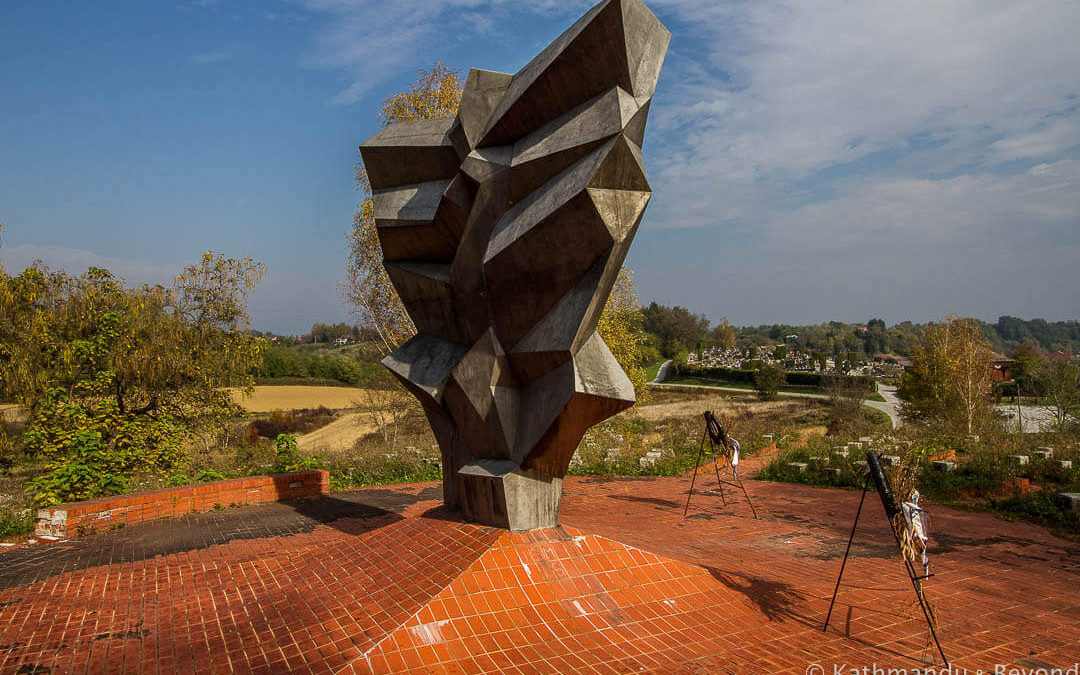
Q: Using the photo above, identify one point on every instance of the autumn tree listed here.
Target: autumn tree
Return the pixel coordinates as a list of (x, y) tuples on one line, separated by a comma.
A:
[(723, 335), (1061, 383), (949, 380), (435, 95), (620, 326), (117, 379)]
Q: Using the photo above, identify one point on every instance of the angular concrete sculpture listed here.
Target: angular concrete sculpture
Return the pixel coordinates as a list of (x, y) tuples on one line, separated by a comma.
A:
[(502, 231)]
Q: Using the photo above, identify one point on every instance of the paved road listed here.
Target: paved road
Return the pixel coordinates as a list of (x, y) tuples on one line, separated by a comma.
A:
[(661, 373), (1036, 418), (890, 407)]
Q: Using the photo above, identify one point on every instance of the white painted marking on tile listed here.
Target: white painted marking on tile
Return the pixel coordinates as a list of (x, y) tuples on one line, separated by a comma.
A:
[(430, 633)]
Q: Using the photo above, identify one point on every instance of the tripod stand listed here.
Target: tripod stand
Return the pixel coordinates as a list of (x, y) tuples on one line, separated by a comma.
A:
[(717, 438), (884, 488)]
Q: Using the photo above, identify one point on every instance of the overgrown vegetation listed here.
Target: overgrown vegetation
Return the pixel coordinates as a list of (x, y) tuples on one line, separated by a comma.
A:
[(982, 476), (281, 363), (117, 380), (289, 422)]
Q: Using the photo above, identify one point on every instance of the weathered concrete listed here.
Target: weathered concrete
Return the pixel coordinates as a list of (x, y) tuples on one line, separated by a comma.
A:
[(503, 231), (1070, 500)]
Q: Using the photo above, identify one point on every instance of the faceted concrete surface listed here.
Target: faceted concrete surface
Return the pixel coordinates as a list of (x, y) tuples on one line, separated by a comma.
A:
[(386, 580), (503, 230)]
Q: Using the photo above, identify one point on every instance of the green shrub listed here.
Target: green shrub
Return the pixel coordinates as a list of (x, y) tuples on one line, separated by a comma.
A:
[(209, 476), (767, 381), (289, 458), (16, 522), (1040, 507)]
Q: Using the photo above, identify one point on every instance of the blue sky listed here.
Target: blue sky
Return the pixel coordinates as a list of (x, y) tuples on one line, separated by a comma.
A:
[(810, 160)]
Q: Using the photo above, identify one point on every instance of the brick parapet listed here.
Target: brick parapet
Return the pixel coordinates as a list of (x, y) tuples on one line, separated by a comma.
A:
[(69, 520)]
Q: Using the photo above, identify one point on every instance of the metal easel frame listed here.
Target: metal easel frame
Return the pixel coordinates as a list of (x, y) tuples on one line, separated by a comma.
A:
[(885, 490), (714, 434)]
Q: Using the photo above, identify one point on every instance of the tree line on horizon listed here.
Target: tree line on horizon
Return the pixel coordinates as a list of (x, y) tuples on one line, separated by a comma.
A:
[(674, 329)]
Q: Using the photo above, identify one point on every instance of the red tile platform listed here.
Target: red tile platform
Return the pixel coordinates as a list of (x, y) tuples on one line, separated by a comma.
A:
[(381, 581), (70, 520)]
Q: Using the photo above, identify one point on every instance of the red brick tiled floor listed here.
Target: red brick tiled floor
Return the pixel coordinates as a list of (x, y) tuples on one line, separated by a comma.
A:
[(380, 580)]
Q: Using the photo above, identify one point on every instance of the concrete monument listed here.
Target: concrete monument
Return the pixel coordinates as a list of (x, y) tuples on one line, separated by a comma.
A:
[(503, 230)]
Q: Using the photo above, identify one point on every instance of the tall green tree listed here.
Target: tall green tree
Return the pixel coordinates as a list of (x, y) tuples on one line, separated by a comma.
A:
[(1028, 368)]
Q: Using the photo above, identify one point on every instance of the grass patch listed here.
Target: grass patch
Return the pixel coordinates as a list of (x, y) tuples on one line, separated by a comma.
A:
[(704, 382), (651, 370)]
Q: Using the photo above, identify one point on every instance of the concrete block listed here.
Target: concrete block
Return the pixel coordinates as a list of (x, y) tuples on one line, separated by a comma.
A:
[(943, 465), (1070, 501), (860, 466), (1045, 449), (1043, 454), (866, 439), (767, 438), (831, 472), (798, 466), (1064, 463), (841, 453), (1019, 460), (500, 493), (891, 460), (818, 459)]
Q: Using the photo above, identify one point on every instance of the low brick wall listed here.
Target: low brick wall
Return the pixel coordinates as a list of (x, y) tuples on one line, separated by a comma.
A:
[(70, 520)]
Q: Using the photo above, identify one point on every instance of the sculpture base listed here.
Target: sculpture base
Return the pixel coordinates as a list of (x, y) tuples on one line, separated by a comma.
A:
[(499, 493)]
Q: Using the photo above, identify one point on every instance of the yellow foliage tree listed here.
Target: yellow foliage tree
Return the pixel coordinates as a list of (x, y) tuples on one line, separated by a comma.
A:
[(621, 327), (950, 377), (435, 95)]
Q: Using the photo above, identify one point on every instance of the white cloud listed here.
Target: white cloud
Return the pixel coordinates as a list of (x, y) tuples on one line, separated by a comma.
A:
[(76, 261), (876, 135), (1052, 138), (214, 56), (373, 40)]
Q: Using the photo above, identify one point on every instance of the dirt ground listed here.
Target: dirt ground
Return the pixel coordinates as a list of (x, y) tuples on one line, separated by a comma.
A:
[(11, 412), (341, 434), (293, 397)]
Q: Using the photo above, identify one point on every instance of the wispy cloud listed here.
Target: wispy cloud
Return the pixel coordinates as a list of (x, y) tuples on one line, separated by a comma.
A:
[(214, 56), (880, 130), (373, 40), (76, 261)]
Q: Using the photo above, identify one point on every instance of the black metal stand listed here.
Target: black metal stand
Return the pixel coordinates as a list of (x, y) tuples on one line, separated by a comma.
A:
[(737, 482), (916, 580)]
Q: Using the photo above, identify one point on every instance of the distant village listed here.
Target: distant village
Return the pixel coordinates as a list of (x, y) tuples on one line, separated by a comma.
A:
[(882, 365)]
